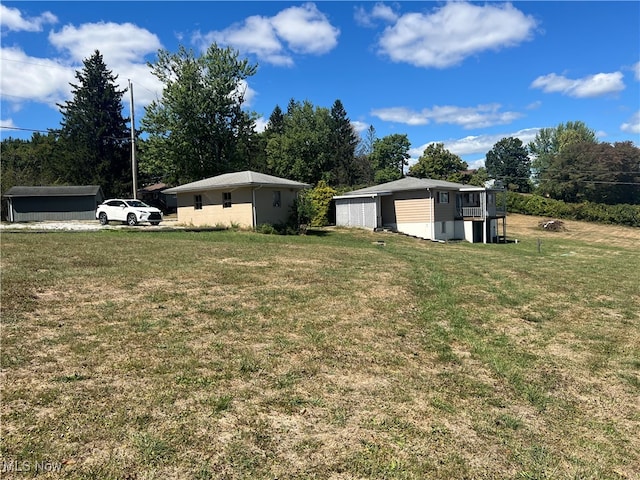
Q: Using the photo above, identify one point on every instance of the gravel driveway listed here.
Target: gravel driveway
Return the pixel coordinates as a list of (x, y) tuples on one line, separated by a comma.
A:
[(82, 225)]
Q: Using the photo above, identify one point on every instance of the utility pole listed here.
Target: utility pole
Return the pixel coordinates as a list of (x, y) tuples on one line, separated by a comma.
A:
[(134, 166)]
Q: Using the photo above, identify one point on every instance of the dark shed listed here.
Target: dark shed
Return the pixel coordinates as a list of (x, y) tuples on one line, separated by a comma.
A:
[(33, 204)]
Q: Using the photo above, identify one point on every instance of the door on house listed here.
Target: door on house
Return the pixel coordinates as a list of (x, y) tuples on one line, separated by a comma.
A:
[(477, 232)]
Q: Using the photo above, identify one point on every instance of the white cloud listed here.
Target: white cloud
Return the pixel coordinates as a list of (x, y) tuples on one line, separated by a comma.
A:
[(301, 30), (26, 78), (11, 19), (590, 86), (478, 144), (454, 32), (380, 11), (633, 125), (359, 126), (123, 47), (255, 36), (6, 123), (636, 69), (467, 117), (119, 43)]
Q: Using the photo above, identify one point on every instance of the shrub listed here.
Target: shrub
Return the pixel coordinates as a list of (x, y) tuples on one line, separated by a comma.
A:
[(622, 214), (321, 198)]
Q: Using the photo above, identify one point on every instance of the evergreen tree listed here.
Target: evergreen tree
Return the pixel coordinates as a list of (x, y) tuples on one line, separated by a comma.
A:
[(94, 139), (343, 146)]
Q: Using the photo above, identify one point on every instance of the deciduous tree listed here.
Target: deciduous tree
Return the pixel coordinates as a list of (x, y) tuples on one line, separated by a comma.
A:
[(389, 157), (198, 128), (439, 163), (508, 161)]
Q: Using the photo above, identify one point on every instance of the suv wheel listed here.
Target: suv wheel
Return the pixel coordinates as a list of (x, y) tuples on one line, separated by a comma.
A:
[(103, 218), (132, 220)]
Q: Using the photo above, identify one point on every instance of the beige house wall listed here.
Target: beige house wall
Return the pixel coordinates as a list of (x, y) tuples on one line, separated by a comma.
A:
[(213, 213), (267, 212), (240, 213)]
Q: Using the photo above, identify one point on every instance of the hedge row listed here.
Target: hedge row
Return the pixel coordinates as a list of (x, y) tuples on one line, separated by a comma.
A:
[(622, 214)]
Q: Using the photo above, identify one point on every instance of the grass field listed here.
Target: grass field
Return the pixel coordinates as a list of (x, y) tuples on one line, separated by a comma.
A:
[(137, 354)]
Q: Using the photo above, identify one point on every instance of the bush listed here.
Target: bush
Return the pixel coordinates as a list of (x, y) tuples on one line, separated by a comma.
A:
[(622, 214), (321, 198)]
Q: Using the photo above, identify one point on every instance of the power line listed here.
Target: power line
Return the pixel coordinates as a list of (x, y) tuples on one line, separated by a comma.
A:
[(25, 129)]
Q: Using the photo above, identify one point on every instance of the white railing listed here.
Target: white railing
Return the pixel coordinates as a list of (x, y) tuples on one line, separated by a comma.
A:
[(477, 212)]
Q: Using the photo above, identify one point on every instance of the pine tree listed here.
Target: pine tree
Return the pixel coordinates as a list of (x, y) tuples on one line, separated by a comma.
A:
[(94, 138)]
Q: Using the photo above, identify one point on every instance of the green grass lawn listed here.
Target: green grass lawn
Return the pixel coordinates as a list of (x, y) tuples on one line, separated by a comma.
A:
[(229, 355)]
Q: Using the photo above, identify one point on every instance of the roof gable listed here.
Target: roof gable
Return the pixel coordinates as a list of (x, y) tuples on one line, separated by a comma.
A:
[(238, 179)]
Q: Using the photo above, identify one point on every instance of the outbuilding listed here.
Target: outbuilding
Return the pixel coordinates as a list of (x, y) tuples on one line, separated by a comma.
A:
[(246, 199), (62, 203)]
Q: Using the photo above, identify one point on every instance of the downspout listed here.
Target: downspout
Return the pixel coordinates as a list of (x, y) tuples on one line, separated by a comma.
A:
[(433, 215), (253, 206)]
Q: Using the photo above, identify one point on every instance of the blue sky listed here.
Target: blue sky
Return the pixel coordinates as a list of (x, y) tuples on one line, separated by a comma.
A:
[(466, 74)]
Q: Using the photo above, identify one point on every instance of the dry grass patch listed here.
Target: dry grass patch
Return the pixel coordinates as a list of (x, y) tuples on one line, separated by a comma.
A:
[(237, 355)]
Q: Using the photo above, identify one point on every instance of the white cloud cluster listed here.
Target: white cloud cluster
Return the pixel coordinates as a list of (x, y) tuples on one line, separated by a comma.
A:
[(633, 125), (11, 19), (477, 144), (26, 78), (453, 32), (480, 116), (302, 30), (636, 70), (590, 86), (46, 80)]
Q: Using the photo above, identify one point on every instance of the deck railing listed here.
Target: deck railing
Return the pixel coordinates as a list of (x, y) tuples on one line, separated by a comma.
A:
[(476, 212)]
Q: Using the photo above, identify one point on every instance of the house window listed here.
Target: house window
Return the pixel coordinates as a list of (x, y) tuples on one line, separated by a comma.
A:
[(276, 199), (443, 197), (197, 202), (226, 200), (444, 227)]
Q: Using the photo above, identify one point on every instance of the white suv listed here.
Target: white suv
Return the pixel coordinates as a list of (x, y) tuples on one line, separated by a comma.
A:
[(130, 211)]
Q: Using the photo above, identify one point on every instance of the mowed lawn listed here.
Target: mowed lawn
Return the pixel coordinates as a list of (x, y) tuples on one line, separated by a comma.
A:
[(138, 354)]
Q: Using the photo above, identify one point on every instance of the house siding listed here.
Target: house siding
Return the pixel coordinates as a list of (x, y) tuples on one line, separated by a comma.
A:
[(212, 212), (412, 207), (35, 209), (266, 212), (241, 212)]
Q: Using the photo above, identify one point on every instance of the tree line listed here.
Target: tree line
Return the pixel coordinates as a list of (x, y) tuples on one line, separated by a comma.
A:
[(199, 127)]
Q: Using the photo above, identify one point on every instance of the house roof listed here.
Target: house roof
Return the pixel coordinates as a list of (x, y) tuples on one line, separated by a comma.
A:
[(236, 180), (404, 184), (54, 191), (153, 188)]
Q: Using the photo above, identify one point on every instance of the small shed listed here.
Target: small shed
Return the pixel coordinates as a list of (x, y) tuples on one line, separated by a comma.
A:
[(34, 204)]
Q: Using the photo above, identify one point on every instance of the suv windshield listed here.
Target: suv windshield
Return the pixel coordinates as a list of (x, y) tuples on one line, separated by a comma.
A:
[(136, 203)]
